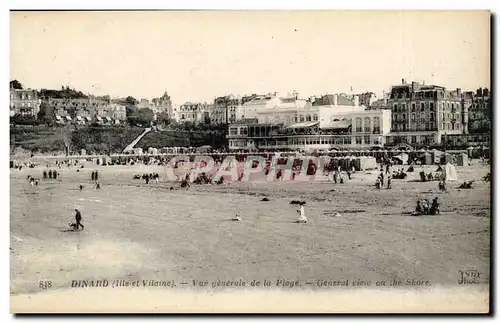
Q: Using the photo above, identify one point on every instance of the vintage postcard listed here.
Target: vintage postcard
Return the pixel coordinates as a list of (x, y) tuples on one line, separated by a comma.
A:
[(250, 161)]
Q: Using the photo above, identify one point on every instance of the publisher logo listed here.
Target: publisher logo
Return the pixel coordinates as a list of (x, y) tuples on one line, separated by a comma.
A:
[(469, 277)]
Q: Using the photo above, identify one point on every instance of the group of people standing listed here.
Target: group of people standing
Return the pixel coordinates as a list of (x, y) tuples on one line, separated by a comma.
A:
[(51, 174), (379, 183), (427, 208)]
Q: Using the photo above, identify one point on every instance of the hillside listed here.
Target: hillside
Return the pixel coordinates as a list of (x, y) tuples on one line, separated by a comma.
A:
[(103, 140), (181, 139)]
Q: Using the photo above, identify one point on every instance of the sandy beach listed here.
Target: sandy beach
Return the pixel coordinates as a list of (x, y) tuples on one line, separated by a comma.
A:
[(135, 231)]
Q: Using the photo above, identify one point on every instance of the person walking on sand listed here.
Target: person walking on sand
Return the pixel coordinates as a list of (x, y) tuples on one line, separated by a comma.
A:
[(302, 214), (78, 218), (97, 185)]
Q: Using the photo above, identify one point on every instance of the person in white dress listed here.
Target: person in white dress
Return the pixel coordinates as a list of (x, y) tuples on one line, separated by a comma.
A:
[(302, 216)]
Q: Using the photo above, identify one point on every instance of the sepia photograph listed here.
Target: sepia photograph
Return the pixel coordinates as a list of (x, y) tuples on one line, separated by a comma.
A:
[(206, 161)]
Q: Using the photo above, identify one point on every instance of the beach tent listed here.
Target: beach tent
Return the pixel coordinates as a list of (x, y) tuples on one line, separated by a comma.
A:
[(367, 162), (447, 158), (436, 156), (402, 158), (449, 172), (462, 159)]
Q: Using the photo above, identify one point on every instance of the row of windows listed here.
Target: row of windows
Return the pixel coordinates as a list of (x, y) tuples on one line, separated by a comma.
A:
[(22, 105), (424, 105), (23, 96), (428, 126), (413, 117)]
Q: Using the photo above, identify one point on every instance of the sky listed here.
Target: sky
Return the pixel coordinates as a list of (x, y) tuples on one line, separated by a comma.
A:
[(198, 55)]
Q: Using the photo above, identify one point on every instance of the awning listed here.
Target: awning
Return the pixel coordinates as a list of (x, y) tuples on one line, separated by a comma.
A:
[(337, 125), (303, 125), (88, 118), (117, 121), (79, 118), (68, 118), (99, 118), (108, 118), (58, 118)]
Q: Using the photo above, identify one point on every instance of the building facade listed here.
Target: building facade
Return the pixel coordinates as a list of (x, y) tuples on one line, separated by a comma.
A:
[(479, 111), (422, 114), (24, 102), (226, 109), (195, 112), (87, 110), (312, 128)]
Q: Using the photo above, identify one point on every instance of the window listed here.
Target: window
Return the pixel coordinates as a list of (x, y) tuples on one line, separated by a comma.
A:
[(359, 125), (432, 106), (413, 117), (413, 107), (367, 140), (404, 116), (422, 106), (413, 139), (403, 107), (358, 140), (367, 125), (395, 107), (376, 125), (422, 117), (295, 119), (315, 117), (431, 116), (301, 118), (308, 117), (395, 117), (182, 116)]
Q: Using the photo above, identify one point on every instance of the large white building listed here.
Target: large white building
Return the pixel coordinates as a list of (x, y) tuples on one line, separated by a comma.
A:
[(292, 124)]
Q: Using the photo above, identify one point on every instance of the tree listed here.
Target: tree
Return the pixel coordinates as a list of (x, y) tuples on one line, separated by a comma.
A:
[(163, 118), (46, 114), (146, 116), (131, 110), (15, 84), (130, 100)]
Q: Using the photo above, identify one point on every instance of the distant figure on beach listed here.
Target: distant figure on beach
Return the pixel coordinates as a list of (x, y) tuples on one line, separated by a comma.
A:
[(80, 187), (78, 218), (92, 176), (389, 181), (302, 214), (44, 174), (96, 175), (50, 173), (36, 182), (377, 183), (418, 209), (54, 174), (442, 185), (434, 207), (97, 185)]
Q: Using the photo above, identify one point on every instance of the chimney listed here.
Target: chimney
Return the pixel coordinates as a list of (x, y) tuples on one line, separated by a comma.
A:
[(335, 99), (356, 100)]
